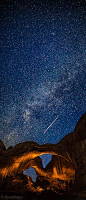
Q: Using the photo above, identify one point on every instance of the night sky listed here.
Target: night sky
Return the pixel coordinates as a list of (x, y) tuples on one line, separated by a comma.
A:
[(43, 69)]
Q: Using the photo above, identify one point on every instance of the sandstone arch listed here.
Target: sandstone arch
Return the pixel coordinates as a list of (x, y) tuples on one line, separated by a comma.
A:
[(68, 160)]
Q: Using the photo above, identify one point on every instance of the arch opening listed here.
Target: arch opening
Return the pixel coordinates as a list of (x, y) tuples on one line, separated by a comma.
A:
[(31, 173), (46, 158)]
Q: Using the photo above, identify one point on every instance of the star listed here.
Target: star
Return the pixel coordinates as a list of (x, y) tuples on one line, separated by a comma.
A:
[(43, 73)]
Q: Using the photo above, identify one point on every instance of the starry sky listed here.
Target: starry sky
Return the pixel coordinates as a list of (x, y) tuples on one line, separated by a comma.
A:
[(43, 69)]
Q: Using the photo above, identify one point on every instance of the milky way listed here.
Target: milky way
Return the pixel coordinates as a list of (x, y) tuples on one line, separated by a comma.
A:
[(43, 74)]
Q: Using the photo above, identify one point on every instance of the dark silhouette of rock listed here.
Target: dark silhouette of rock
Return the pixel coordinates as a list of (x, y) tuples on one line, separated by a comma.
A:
[(65, 173), (9, 148), (2, 146)]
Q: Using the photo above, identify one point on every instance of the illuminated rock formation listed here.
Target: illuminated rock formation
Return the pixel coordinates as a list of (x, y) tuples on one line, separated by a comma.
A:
[(66, 170)]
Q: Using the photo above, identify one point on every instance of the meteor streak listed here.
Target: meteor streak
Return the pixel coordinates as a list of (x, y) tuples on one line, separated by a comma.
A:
[(52, 123)]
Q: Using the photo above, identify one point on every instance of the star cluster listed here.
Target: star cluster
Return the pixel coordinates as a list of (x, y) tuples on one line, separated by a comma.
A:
[(43, 69)]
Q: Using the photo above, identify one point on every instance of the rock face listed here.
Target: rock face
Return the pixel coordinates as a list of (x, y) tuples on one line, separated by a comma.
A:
[(66, 172), (80, 153)]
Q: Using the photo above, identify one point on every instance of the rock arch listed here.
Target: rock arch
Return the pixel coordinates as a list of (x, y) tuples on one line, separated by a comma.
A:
[(69, 157)]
